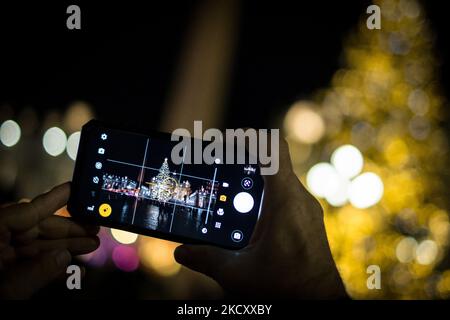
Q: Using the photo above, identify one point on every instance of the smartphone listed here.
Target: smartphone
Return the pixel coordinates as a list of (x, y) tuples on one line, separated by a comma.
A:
[(125, 179)]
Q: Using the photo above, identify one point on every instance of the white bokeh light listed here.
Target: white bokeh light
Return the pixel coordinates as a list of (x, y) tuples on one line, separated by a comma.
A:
[(365, 190), (348, 161), (72, 145), (426, 252), (124, 237), (10, 133), (340, 196), (322, 180), (54, 141)]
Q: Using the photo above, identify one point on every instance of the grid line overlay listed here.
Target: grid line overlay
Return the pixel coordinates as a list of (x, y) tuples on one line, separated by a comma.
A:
[(156, 169), (140, 180), (210, 195), (179, 179)]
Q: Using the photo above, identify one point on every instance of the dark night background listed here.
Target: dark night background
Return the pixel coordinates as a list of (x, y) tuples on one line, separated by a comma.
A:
[(124, 56)]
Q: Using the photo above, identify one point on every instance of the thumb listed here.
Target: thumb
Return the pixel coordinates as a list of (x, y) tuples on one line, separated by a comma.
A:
[(208, 260), (28, 278)]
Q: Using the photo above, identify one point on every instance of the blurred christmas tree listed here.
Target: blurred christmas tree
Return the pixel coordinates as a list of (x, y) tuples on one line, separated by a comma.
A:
[(376, 156)]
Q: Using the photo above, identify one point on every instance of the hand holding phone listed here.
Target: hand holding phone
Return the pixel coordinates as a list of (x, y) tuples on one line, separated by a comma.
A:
[(288, 255)]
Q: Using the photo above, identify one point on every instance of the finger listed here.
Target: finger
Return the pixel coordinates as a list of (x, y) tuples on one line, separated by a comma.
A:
[(5, 239), (285, 180), (275, 189), (5, 236), (279, 190), (48, 203), (7, 256), (76, 246), (56, 227), (285, 164), (26, 237), (7, 204), (24, 216), (31, 276), (208, 260), (278, 150)]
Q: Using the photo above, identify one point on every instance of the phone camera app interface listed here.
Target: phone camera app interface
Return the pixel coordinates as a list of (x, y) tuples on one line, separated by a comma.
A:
[(132, 181)]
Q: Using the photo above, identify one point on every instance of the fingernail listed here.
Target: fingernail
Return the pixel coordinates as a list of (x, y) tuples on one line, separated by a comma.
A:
[(181, 254), (63, 258)]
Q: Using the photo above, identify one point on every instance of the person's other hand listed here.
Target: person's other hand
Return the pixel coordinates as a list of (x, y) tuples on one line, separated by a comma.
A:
[(288, 254), (36, 246)]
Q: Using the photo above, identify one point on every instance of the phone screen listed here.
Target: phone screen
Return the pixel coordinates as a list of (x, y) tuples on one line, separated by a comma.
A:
[(127, 180)]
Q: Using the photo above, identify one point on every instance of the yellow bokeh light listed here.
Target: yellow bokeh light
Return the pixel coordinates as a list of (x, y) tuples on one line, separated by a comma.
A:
[(157, 255), (124, 237), (396, 153), (443, 285), (406, 249), (386, 101), (304, 124), (426, 252), (77, 115)]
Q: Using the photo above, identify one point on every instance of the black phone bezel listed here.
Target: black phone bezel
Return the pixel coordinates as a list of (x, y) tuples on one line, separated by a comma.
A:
[(74, 210)]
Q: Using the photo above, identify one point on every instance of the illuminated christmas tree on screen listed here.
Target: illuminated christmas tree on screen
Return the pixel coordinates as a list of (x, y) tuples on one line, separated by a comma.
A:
[(370, 147), (163, 185)]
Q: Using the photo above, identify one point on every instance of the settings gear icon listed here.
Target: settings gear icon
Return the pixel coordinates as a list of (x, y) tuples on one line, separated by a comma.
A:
[(104, 136)]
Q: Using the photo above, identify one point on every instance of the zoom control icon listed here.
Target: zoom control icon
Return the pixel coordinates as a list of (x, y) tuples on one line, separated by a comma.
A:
[(247, 183)]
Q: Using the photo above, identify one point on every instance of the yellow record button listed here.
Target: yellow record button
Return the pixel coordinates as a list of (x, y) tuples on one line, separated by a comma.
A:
[(105, 210)]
